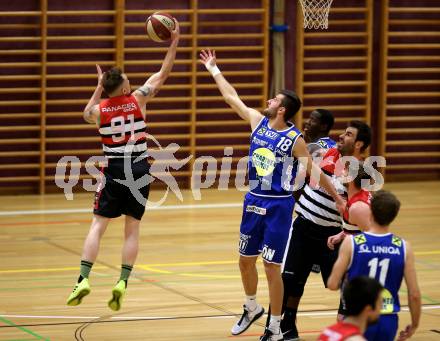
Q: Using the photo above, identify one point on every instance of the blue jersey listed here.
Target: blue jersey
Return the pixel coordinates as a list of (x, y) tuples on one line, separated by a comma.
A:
[(272, 169), (381, 257), (326, 142), (322, 143)]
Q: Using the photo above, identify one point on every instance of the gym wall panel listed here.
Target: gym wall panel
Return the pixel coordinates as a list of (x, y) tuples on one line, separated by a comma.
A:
[(48, 56)]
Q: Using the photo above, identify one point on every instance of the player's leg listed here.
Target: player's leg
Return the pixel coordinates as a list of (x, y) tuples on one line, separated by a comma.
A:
[(89, 254), (131, 243), (133, 206), (249, 275), (105, 207), (278, 224), (252, 311), (249, 278), (249, 248), (275, 285), (297, 267), (93, 239), (129, 254), (327, 259)]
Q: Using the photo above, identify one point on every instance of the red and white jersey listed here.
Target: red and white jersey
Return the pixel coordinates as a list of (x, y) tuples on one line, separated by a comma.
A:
[(122, 127), (328, 163), (361, 196), (315, 204), (339, 332)]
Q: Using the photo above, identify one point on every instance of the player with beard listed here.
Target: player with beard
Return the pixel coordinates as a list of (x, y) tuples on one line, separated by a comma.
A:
[(276, 146), (389, 259), (364, 300), (317, 219)]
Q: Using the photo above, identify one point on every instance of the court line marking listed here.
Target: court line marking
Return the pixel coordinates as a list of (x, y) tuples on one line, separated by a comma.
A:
[(160, 208), (99, 267), (223, 262), (27, 223), (89, 210), (425, 253), (215, 262), (304, 313), (23, 329), (151, 267)]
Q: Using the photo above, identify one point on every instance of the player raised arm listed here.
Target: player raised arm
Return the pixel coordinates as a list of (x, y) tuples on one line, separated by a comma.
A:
[(91, 111), (414, 297), (154, 83), (301, 153), (341, 265), (228, 92)]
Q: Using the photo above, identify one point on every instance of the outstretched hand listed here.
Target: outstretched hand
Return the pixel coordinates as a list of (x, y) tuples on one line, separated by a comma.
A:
[(98, 69), (176, 32), (208, 58)]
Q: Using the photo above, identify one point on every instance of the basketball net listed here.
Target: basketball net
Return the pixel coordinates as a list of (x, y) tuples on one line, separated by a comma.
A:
[(316, 13)]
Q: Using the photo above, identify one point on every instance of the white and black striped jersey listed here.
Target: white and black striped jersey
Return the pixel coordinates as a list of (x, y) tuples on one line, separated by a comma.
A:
[(315, 204)]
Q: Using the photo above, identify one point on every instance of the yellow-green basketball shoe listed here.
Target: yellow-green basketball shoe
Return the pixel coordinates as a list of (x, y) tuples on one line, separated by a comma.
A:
[(118, 293), (81, 289)]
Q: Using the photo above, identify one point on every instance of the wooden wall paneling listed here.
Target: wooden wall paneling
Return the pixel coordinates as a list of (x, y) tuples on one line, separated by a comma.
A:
[(411, 88), (43, 59), (20, 81)]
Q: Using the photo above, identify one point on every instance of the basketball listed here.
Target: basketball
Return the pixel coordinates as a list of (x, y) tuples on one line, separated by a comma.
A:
[(159, 26)]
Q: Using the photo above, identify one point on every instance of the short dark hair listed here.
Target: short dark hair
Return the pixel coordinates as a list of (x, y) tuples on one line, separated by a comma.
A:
[(291, 102), (361, 175), (385, 207), (112, 79), (359, 293), (363, 134), (326, 117)]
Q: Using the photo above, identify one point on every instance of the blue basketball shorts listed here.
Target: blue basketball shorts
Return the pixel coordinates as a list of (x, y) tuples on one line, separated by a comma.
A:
[(265, 227), (384, 330)]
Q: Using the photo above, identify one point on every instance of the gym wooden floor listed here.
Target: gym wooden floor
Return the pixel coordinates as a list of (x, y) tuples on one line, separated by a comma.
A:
[(186, 284)]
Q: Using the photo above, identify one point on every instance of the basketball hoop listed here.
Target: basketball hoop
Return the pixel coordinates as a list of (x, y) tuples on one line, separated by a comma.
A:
[(316, 13)]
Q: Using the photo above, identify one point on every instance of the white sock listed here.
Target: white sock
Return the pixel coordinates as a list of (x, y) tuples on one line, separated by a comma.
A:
[(251, 302), (274, 324)]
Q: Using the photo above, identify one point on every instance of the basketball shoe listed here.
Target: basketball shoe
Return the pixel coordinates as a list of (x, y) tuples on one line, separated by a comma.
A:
[(247, 318), (118, 293), (80, 290), (269, 335), (288, 327)]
